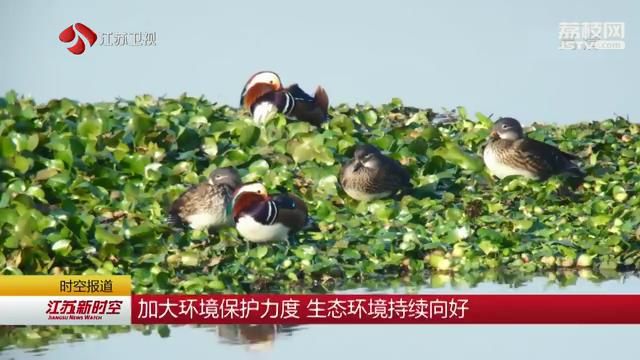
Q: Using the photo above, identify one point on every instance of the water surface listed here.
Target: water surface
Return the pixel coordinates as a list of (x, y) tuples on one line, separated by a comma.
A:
[(370, 341)]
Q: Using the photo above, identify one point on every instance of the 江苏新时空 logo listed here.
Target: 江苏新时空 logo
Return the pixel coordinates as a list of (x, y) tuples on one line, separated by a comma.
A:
[(74, 309)]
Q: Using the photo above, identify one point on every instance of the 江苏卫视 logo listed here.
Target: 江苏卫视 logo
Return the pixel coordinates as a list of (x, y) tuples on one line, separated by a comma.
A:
[(72, 32), (85, 37)]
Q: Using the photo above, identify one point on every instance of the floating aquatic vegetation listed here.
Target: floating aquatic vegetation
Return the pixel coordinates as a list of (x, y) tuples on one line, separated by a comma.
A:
[(84, 188)]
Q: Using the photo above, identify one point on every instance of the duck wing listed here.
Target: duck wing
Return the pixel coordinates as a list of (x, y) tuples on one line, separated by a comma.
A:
[(314, 109), (292, 211), (186, 204), (545, 159), (396, 176)]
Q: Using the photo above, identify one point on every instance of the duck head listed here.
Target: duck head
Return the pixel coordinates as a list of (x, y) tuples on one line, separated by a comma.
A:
[(247, 196), (367, 156), (507, 128), (225, 176), (258, 85)]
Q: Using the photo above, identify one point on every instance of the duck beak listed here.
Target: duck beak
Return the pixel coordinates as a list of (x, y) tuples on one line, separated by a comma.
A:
[(357, 166), (494, 135)]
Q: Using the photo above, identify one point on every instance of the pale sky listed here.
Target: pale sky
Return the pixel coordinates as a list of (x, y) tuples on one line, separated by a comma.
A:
[(494, 56)]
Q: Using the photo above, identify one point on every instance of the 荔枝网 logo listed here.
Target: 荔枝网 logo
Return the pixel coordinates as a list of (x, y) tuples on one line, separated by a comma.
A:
[(80, 37), (591, 36)]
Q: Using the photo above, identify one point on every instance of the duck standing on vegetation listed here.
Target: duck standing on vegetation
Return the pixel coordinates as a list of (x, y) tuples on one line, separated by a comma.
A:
[(510, 152), (205, 205), (262, 218), (370, 175), (263, 95)]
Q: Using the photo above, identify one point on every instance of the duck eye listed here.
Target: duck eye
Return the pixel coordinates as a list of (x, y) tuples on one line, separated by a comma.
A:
[(505, 126)]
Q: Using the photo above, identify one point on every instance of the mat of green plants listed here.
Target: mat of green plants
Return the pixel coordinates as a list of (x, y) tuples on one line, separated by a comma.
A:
[(84, 189)]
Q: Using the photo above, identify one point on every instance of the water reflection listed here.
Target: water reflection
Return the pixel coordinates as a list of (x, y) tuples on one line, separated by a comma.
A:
[(37, 339), (516, 280), (22, 341), (254, 337)]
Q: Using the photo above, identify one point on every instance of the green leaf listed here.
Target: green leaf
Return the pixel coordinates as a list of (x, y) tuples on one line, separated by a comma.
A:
[(90, 127), (210, 146), (523, 225), (351, 254), (454, 154), (7, 147), (309, 147), (36, 192), (62, 247), (249, 135), (600, 220), (22, 164), (32, 142), (488, 247), (164, 331), (484, 120), (305, 251), (235, 157), (381, 210), (328, 185), (45, 174), (259, 167), (619, 193), (261, 251), (216, 285), (189, 258), (369, 117), (198, 120), (189, 140), (105, 236), (11, 97), (485, 233)]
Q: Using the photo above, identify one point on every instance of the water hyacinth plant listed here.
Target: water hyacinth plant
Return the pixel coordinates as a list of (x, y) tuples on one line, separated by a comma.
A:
[(84, 189)]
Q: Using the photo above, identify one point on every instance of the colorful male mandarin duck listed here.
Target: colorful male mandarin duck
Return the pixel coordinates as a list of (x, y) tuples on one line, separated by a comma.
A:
[(261, 218), (370, 175), (264, 95), (206, 205), (510, 152)]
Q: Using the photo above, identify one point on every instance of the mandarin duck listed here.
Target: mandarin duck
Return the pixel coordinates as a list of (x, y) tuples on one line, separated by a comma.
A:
[(370, 175), (510, 152), (262, 218), (263, 96), (205, 206)]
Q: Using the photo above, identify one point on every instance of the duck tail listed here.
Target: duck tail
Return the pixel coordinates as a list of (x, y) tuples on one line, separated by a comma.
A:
[(407, 187), (407, 190), (174, 221), (576, 176), (311, 224), (577, 172), (322, 100)]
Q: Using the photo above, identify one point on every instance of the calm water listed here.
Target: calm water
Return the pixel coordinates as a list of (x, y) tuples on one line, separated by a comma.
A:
[(371, 341)]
